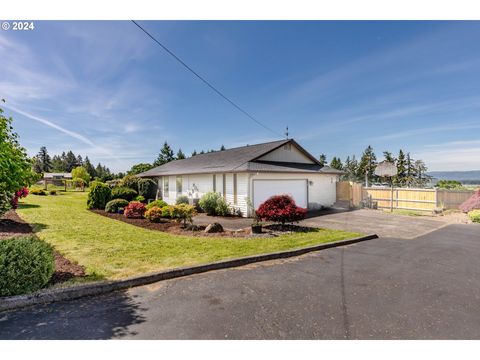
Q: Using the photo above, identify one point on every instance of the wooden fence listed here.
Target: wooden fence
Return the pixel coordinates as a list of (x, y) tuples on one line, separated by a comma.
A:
[(400, 198)]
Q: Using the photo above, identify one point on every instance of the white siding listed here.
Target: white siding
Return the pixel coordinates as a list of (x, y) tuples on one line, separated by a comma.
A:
[(287, 153)]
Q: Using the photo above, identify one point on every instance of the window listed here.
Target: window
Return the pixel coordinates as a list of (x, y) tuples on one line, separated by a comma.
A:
[(224, 186), (214, 183), (165, 186), (235, 189), (179, 184)]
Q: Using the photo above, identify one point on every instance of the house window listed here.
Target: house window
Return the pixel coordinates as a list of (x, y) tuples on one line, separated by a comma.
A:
[(235, 189), (179, 184), (224, 186), (214, 183), (165, 186)]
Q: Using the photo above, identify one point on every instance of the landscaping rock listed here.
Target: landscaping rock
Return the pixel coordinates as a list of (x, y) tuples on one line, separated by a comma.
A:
[(193, 227), (214, 228)]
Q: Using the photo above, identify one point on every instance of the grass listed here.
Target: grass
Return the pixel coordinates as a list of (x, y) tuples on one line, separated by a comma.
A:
[(409, 212), (111, 249)]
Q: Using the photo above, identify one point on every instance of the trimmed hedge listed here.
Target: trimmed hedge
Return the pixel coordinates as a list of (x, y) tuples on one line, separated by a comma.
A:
[(124, 193), (282, 209), (98, 196), (26, 265), (113, 205)]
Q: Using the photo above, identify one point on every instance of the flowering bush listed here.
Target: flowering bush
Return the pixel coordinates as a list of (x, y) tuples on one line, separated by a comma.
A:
[(154, 214), (23, 192), (282, 209), (472, 203), (134, 210)]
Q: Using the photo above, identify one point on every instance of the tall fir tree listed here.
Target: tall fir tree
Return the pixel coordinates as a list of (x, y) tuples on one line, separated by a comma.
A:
[(322, 159), (389, 157), (222, 148), (350, 168), (194, 152), (43, 162), (89, 167), (180, 155), (336, 163), (71, 161), (165, 155), (399, 179), (367, 165)]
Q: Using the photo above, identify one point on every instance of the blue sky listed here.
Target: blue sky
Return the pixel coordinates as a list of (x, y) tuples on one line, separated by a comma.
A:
[(105, 90)]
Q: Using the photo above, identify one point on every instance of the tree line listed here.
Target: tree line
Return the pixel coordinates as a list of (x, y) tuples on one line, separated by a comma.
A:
[(410, 172), (67, 162)]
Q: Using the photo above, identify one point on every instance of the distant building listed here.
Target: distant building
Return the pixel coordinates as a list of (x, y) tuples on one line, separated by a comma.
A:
[(57, 179)]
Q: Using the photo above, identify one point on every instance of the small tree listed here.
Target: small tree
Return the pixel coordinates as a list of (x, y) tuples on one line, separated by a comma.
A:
[(139, 168), (81, 173), (98, 196)]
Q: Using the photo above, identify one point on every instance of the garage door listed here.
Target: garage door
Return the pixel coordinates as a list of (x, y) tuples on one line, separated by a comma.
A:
[(263, 189)]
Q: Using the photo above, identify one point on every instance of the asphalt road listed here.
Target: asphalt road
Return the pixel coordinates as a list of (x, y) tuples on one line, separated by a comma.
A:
[(423, 288)]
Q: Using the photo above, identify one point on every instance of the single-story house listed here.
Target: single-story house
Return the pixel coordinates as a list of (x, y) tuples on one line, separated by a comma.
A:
[(253, 172)]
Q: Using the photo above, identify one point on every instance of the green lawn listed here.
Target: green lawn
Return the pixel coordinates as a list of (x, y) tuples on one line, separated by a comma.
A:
[(113, 249)]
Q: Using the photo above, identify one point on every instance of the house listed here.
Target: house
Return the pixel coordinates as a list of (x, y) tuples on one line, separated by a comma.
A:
[(253, 172)]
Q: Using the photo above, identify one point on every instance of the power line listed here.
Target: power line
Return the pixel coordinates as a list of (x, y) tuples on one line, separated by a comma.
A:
[(205, 81)]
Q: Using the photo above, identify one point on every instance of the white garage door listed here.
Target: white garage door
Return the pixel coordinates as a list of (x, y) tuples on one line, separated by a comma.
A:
[(263, 189)]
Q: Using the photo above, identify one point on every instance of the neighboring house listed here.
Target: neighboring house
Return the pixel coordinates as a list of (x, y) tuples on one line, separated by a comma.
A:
[(253, 172)]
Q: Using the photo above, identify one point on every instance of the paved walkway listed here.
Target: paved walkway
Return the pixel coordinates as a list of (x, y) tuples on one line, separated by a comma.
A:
[(426, 288)]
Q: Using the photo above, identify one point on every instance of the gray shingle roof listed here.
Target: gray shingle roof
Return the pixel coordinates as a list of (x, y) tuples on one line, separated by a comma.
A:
[(236, 160)]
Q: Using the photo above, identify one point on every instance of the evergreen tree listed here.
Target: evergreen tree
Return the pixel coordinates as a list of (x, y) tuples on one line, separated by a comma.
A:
[(411, 175), (421, 178), (399, 179), (322, 159), (139, 168), (70, 161), (43, 162), (180, 155), (389, 157), (79, 160), (165, 155), (222, 148), (351, 168), (367, 165), (194, 152), (202, 152), (57, 164), (336, 163), (89, 167)]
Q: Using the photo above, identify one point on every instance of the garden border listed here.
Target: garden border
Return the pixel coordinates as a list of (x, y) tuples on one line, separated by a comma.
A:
[(75, 292)]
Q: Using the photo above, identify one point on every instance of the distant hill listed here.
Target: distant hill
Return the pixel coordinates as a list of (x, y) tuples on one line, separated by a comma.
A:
[(466, 177)]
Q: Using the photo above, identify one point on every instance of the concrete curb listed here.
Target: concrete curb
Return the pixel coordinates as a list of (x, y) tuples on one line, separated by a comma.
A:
[(75, 292)]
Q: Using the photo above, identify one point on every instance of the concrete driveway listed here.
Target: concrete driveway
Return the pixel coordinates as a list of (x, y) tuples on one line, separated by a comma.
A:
[(377, 222), (425, 288)]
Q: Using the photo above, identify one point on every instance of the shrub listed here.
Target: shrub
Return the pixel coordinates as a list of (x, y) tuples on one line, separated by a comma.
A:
[(214, 204), (157, 203), (81, 173), (78, 182), (22, 193), (182, 199), (53, 192), (140, 198), (281, 208), (130, 181), (98, 195), (474, 215), (146, 188), (113, 205), (168, 211), (26, 265), (38, 192), (5, 202), (134, 210), (184, 213), (472, 203), (449, 184), (154, 214), (124, 193)]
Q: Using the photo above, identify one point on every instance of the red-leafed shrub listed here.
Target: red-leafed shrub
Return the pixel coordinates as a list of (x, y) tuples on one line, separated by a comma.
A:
[(472, 203), (282, 209), (134, 210)]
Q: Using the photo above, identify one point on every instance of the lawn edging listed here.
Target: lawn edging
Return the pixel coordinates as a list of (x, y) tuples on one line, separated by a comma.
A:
[(75, 292)]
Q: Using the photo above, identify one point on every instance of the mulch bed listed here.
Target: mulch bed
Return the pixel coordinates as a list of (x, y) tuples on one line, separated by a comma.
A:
[(12, 226), (169, 226), (176, 228)]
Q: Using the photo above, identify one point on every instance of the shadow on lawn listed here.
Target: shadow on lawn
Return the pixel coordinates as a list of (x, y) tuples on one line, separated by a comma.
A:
[(27, 206), (102, 317)]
